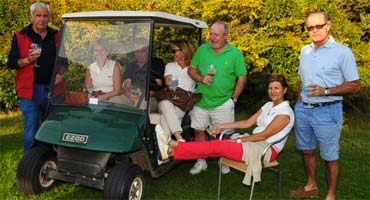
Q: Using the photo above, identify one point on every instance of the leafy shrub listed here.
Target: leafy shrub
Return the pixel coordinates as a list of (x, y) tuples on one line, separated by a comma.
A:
[(8, 97), (270, 33)]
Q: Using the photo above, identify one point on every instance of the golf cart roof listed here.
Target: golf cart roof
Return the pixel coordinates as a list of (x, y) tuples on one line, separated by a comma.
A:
[(160, 18)]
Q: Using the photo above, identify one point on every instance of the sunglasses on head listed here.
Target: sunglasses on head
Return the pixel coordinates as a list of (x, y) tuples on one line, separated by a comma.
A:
[(175, 50), (318, 27)]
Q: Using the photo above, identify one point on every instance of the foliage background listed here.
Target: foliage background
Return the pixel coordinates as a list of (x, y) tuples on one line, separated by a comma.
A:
[(270, 33)]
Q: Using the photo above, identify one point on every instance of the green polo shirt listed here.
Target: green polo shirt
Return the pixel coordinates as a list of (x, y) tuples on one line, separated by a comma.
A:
[(230, 65)]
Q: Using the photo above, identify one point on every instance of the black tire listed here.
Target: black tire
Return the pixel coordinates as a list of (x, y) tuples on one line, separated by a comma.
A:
[(125, 181), (32, 170)]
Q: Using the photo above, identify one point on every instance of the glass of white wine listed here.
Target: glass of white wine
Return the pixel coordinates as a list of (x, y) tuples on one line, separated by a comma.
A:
[(211, 70), (36, 47)]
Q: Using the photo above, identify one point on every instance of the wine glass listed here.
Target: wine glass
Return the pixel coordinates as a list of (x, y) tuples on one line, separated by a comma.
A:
[(173, 85), (90, 90), (211, 70), (135, 90), (135, 94), (36, 48)]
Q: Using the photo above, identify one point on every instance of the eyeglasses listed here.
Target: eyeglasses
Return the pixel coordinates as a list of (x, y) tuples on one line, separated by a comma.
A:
[(175, 50), (318, 27)]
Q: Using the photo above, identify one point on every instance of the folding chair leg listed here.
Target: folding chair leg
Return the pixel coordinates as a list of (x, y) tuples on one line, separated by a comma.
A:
[(280, 181), (251, 195), (219, 182)]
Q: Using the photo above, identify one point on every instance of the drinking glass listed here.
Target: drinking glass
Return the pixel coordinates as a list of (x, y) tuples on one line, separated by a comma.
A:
[(173, 85), (90, 90), (36, 47), (135, 90), (305, 88), (306, 91), (211, 70), (135, 93)]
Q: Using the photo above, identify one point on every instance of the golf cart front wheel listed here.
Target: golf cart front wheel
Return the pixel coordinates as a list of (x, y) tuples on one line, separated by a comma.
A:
[(33, 170), (125, 181)]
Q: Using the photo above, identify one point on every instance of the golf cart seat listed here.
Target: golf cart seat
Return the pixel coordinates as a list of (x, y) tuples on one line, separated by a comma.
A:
[(154, 118)]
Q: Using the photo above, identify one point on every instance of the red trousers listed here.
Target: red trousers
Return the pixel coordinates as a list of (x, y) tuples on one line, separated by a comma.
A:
[(213, 148)]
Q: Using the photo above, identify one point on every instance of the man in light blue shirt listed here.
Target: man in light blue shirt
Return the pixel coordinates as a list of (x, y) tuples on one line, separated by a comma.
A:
[(328, 71)]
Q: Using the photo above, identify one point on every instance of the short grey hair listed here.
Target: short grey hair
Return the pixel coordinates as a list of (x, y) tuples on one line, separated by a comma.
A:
[(324, 14), (226, 28), (37, 5), (100, 42)]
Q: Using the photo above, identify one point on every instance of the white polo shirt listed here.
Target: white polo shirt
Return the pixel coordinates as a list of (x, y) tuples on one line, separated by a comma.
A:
[(102, 78), (269, 112)]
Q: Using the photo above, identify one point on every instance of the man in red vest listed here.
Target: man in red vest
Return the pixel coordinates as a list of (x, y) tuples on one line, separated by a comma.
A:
[(34, 67)]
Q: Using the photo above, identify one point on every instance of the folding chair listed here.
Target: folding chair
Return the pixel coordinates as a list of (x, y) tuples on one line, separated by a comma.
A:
[(241, 166)]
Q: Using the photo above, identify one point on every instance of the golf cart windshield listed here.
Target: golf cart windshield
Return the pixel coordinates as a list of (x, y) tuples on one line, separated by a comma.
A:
[(103, 62)]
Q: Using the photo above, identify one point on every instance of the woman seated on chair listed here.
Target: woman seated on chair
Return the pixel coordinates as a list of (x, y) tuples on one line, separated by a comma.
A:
[(103, 76), (274, 121), (171, 115)]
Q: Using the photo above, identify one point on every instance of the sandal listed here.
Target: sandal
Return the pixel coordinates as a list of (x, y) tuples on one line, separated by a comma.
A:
[(302, 193)]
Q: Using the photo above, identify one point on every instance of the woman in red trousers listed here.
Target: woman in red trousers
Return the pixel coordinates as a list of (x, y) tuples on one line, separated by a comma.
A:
[(273, 121)]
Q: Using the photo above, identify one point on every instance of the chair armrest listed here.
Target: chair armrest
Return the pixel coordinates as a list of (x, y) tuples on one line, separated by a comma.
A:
[(226, 132), (223, 132)]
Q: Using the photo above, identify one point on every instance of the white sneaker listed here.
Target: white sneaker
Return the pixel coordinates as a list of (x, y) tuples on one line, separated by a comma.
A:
[(198, 167), (162, 141), (225, 169)]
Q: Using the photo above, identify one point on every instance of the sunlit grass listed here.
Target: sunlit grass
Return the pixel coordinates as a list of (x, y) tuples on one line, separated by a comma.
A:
[(179, 184)]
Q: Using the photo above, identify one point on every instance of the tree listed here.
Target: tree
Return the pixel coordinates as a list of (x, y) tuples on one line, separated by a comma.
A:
[(270, 33)]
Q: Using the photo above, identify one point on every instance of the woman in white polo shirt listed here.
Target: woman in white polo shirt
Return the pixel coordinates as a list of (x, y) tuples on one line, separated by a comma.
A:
[(103, 75), (171, 115), (274, 121)]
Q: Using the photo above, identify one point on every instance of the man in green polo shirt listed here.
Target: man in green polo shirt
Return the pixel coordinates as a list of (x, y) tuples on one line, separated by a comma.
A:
[(220, 90)]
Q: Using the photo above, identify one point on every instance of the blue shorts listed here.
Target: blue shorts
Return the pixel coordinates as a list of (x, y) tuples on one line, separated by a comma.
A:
[(322, 124)]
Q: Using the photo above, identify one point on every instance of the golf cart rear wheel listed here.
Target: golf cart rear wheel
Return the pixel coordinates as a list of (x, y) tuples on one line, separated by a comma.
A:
[(125, 181), (33, 169)]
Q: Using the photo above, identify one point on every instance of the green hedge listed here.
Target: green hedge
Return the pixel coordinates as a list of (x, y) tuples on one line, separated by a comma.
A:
[(8, 98)]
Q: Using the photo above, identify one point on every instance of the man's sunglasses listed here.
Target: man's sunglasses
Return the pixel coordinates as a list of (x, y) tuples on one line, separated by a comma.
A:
[(318, 27)]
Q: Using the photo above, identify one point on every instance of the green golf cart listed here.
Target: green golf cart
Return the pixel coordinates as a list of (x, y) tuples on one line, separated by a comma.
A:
[(107, 145)]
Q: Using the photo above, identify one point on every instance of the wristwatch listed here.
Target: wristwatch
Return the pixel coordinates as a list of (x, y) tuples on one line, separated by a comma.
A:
[(327, 91)]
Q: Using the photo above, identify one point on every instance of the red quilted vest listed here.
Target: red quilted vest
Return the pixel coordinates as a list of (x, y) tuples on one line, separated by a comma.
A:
[(24, 77)]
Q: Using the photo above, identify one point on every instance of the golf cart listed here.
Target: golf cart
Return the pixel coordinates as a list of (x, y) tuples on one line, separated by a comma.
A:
[(102, 144)]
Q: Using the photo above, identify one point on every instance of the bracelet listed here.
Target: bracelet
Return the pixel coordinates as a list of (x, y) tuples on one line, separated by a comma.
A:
[(238, 140)]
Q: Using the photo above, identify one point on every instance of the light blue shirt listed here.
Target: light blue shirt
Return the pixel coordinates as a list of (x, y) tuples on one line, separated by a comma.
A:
[(328, 66)]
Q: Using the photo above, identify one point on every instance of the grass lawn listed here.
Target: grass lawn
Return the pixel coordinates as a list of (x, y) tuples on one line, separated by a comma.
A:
[(178, 184)]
